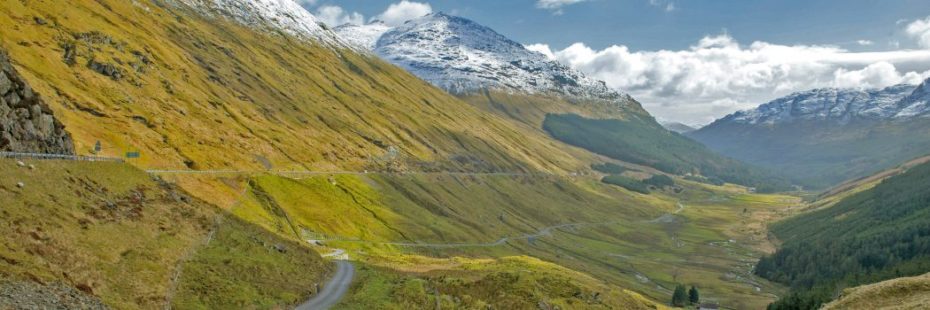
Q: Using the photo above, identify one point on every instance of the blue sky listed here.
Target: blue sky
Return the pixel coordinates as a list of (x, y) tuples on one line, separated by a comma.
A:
[(694, 61), (648, 25)]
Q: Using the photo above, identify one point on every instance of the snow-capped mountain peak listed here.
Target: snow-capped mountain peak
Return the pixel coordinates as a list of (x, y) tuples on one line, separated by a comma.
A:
[(462, 56), (831, 105), (917, 103), (283, 15), (363, 36)]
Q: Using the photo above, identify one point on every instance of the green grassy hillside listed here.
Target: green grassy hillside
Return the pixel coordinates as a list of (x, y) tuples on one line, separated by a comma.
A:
[(429, 227), (641, 140), (873, 235), (189, 92), (514, 282), (819, 155), (115, 234), (901, 293)]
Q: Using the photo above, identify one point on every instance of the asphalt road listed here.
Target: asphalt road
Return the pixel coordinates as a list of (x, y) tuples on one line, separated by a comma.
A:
[(333, 290)]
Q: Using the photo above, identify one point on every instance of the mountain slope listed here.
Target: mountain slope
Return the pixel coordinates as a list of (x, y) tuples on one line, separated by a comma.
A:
[(161, 79), (901, 293), (678, 127), (26, 122), (825, 136), (462, 56), (115, 234), (647, 143), (876, 234), (503, 77)]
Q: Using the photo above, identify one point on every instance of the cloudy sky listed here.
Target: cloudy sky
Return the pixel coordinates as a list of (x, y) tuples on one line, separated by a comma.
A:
[(693, 61)]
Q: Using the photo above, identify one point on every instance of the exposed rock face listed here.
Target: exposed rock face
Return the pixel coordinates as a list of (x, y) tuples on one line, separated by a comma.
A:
[(28, 295), (26, 122)]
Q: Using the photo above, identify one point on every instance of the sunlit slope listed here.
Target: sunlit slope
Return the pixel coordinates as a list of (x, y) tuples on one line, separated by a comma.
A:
[(900, 293), (645, 243), (113, 233), (513, 282), (190, 92)]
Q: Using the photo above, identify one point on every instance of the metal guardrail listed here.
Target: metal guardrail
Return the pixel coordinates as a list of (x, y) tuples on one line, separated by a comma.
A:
[(57, 156)]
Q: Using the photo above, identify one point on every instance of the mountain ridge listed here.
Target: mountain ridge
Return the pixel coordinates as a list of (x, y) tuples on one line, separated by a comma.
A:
[(825, 136), (827, 104), (462, 57)]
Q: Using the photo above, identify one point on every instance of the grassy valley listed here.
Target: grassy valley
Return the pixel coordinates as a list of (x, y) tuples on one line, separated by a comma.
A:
[(643, 141), (420, 234)]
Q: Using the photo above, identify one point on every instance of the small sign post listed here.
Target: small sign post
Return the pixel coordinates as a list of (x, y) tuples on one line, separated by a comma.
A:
[(98, 147)]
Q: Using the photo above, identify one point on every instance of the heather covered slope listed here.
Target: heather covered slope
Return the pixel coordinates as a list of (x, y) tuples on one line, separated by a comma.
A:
[(157, 77)]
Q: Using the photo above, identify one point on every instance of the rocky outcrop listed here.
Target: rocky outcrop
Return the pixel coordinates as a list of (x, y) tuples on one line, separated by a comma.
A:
[(30, 295), (26, 122)]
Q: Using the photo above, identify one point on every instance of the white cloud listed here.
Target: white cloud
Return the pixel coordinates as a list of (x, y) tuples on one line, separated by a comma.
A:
[(334, 16), (670, 7), (542, 49), (920, 31), (718, 76), (398, 13), (556, 5)]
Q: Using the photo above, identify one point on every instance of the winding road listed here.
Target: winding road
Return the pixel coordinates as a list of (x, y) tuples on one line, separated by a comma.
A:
[(333, 291)]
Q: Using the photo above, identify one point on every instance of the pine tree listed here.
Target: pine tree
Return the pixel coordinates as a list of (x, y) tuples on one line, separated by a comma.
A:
[(680, 297), (693, 296)]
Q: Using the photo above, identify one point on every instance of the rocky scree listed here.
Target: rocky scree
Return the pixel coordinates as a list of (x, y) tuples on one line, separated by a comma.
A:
[(26, 122)]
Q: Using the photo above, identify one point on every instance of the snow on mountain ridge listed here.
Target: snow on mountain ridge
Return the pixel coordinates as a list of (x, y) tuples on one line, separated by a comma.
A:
[(828, 104), (462, 56), (362, 36), (917, 103), (284, 15)]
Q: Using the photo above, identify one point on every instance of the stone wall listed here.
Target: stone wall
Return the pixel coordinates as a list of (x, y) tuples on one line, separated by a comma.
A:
[(26, 122)]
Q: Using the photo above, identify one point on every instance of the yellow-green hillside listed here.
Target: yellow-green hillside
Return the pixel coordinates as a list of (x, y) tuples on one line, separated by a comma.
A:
[(901, 293), (117, 235), (429, 226), (209, 94), (513, 282)]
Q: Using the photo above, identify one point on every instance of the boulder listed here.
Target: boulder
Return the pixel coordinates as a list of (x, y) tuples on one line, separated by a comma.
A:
[(5, 84), (27, 124)]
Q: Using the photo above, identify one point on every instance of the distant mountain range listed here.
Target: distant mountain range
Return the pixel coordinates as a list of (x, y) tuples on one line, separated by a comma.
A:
[(825, 136), (833, 106), (678, 127)]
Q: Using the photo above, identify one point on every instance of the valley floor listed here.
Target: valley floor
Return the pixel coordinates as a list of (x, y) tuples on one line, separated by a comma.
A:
[(459, 241), (425, 239)]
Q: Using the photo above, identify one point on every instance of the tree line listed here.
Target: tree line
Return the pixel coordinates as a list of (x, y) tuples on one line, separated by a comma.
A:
[(872, 236)]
